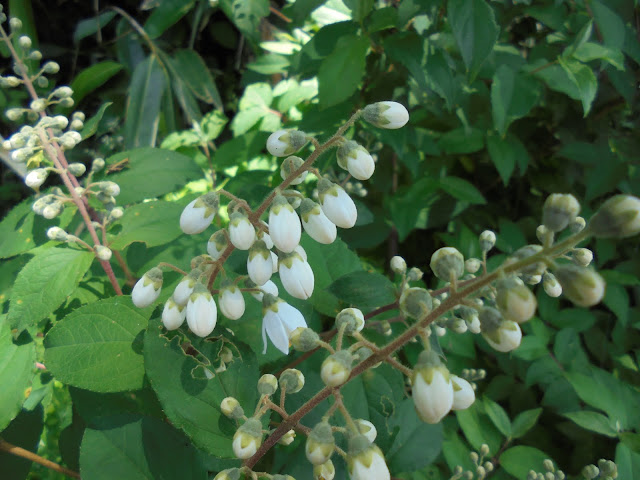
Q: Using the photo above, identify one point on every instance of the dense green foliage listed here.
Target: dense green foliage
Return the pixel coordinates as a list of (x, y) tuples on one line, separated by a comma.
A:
[(509, 101)]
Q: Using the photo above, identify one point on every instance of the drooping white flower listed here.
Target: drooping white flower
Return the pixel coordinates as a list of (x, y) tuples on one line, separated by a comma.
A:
[(218, 243), (463, 394), (336, 369), (202, 313), (36, 177), (326, 471), (551, 285), (284, 225), (147, 289), (386, 114), (241, 232), (583, 286), (259, 263), (231, 302), (286, 142), (515, 300), (173, 314), (198, 215), (247, 439), (290, 165), (356, 159), (503, 335), (316, 223), (274, 262), (368, 429), (184, 289), (265, 237), (367, 462), (269, 287), (432, 389), (279, 320), (320, 444), (296, 275), (336, 204)]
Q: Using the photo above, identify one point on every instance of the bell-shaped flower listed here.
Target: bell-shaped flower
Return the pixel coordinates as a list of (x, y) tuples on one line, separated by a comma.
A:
[(259, 263), (296, 275), (290, 165), (356, 159), (269, 287), (366, 428), (386, 114), (202, 313), (184, 289), (503, 335), (247, 439), (231, 301), (463, 394), (147, 289), (279, 320), (336, 204), (218, 243), (198, 215), (432, 389), (274, 262), (336, 368), (320, 444), (286, 142), (365, 460), (515, 300), (241, 232), (326, 471), (36, 177), (284, 225), (316, 223), (265, 237), (173, 314)]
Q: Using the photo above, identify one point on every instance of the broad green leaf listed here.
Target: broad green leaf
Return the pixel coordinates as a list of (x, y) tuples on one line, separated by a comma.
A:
[(627, 461), (519, 460), (92, 78), (594, 51), (143, 103), (359, 8), (91, 126), (167, 13), (524, 422), (98, 346), (24, 432), (138, 448), (89, 26), (584, 80), (240, 149), (21, 230), (150, 172), (92, 405), (582, 36), (610, 24), (513, 95), (407, 49), (594, 421), (246, 15), (475, 30), (506, 153), (408, 203), (478, 428), (44, 283), (462, 140), (154, 223), (382, 19), (617, 300), (191, 402), (364, 290), (498, 416), (254, 106), (190, 67), (462, 190), (441, 78), (17, 363), (269, 64), (341, 72)]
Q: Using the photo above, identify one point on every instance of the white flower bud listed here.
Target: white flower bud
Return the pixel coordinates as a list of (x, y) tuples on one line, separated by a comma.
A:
[(36, 177), (231, 302), (577, 225), (14, 114), (415, 303), (76, 124), (24, 42), (38, 105), (432, 389), (320, 444), (259, 263), (62, 92), (268, 384), (57, 234), (52, 210), (414, 274), (173, 315), (102, 253), (447, 262), (286, 142), (336, 369), (356, 159), (291, 380), (316, 223), (304, 339), (325, 471), (582, 286), (241, 232), (78, 169), (366, 428), (353, 318), (15, 23), (202, 313), (284, 225), (472, 265), (230, 407), (503, 335), (147, 289), (97, 164), (217, 244), (10, 81), (269, 287), (551, 285), (247, 439), (398, 265), (265, 237), (229, 473), (386, 114), (198, 215), (366, 463), (287, 438), (515, 301), (618, 217), (296, 275), (116, 213), (559, 210), (487, 240), (290, 165), (336, 204), (463, 394), (279, 320), (582, 256), (184, 289)]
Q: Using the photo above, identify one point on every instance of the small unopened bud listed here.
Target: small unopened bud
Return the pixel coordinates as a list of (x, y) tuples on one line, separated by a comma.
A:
[(551, 285), (247, 439), (583, 286), (366, 428), (35, 55), (52, 210), (57, 234), (76, 124), (547, 464), (292, 380), (447, 263), (488, 466), (97, 164), (577, 225), (286, 142), (515, 300), (14, 114), (415, 303), (229, 474), (398, 265), (325, 471), (414, 274), (268, 384), (320, 444), (290, 165), (35, 178), (474, 457), (66, 103), (608, 468), (487, 240), (77, 169), (618, 217), (9, 81), (103, 253), (304, 339), (287, 438), (15, 24), (472, 265), (542, 233), (484, 449), (352, 318), (24, 42), (62, 92), (230, 407), (559, 210), (336, 368), (582, 256), (42, 81), (51, 67), (590, 472), (386, 114), (362, 354), (38, 105)]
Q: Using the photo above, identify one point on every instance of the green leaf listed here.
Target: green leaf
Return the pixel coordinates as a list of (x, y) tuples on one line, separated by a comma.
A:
[(246, 15), (594, 51), (498, 416), (166, 14), (44, 283), (92, 78), (89, 26), (441, 78), (524, 422), (505, 154), (143, 104), (151, 172), (462, 140), (359, 8), (269, 64), (627, 461), (23, 432), (407, 49), (513, 95), (21, 230), (617, 300), (408, 203), (475, 30), (610, 24), (254, 105), (341, 72), (193, 403), (594, 421), (479, 429), (138, 448), (98, 346), (190, 67), (91, 126), (462, 190), (364, 290), (584, 80), (17, 360), (519, 460), (239, 149), (153, 223)]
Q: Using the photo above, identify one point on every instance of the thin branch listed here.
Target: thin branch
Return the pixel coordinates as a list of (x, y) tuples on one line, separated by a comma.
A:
[(26, 454)]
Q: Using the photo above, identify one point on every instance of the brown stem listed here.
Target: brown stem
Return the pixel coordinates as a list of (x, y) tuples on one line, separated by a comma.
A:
[(131, 279), (378, 311), (21, 452)]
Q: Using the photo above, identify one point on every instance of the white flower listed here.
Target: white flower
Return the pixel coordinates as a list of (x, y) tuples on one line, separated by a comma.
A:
[(198, 215), (36, 177), (202, 312), (296, 276), (269, 287), (259, 263), (515, 300), (284, 225), (506, 337), (274, 261), (386, 114), (617, 217), (285, 142), (173, 315), (265, 237), (551, 285), (432, 389), (247, 439), (398, 265), (290, 165), (280, 319), (217, 244), (368, 429), (336, 204), (463, 394), (316, 223), (326, 471), (231, 302), (336, 369), (583, 286), (147, 289), (241, 232), (184, 289), (356, 159), (368, 465)]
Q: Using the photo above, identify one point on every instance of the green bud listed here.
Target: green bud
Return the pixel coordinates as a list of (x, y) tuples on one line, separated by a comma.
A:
[(304, 339), (291, 380), (320, 444), (583, 286), (487, 240), (352, 318), (447, 262), (230, 407), (415, 303), (268, 384), (618, 217), (559, 210)]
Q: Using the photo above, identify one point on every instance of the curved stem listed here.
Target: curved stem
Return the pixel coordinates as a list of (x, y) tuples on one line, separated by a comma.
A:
[(21, 452)]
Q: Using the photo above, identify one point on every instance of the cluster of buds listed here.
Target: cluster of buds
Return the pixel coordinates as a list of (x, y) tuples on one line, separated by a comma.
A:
[(606, 470)]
